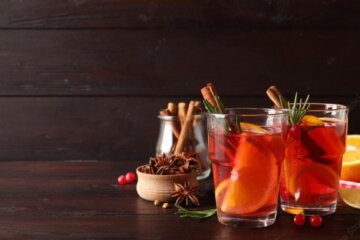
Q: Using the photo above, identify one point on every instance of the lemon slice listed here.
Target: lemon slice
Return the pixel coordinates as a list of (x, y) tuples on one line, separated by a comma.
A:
[(351, 196), (351, 159)]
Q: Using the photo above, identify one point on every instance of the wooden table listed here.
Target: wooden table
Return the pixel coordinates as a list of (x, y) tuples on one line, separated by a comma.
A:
[(81, 200)]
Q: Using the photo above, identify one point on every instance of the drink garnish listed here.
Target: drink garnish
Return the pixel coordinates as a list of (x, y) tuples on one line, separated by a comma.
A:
[(213, 104), (311, 120), (212, 100), (297, 109), (198, 214)]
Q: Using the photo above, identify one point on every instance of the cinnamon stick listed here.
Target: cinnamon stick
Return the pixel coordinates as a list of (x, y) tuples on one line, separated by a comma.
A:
[(172, 109), (185, 129), (182, 112), (175, 128), (164, 112), (197, 107), (274, 95), (209, 96)]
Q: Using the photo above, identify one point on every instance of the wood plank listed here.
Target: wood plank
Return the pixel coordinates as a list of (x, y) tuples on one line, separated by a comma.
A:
[(177, 62), (33, 211), (189, 13), (99, 128)]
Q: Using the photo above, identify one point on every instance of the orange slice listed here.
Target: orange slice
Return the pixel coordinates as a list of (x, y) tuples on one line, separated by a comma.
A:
[(311, 120), (312, 176), (351, 159), (247, 191), (254, 151), (250, 127), (221, 187), (253, 180), (327, 139)]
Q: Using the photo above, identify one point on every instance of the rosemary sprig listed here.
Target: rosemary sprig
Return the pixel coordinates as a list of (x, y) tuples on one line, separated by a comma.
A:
[(200, 215), (297, 110)]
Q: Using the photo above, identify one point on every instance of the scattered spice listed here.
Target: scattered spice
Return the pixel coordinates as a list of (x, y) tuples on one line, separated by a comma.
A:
[(157, 203), (185, 193), (165, 205)]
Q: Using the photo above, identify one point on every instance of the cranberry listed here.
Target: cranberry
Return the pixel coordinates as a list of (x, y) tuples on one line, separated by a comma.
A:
[(130, 177), (299, 219), (122, 180), (315, 220)]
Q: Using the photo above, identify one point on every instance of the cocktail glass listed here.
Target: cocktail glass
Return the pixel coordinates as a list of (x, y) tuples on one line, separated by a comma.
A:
[(312, 164), (246, 148)]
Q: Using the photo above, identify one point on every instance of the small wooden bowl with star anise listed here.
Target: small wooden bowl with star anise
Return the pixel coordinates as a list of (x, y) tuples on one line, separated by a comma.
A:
[(161, 178)]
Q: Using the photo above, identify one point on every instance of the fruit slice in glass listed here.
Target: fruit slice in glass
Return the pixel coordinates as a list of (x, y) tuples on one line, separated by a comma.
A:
[(322, 136), (312, 181), (253, 180)]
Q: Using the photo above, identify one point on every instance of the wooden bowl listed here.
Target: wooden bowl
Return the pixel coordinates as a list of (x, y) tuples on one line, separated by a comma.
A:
[(160, 187)]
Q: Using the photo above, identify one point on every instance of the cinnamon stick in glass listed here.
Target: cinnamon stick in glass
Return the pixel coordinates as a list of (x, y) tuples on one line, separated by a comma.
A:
[(185, 129)]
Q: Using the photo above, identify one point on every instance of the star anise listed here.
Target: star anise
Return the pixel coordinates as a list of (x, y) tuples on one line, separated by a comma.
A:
[(171, 164), (186, 193)]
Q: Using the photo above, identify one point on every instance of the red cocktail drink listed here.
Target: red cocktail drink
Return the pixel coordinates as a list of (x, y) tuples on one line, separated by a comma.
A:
[(312, 165), (246, 164)]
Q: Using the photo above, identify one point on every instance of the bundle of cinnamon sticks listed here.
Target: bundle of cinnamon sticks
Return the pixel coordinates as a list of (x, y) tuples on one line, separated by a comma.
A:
[(183, 129)]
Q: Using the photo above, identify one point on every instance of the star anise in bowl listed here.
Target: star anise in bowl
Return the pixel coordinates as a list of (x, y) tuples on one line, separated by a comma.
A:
[(171, 164)]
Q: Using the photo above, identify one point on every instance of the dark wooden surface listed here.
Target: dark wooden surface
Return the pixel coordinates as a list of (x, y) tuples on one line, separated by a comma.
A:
[(85, 79), (81, 200)]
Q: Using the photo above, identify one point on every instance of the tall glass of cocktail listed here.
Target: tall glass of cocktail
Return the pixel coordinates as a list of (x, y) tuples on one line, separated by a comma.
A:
[(246, 148), (312, 164)]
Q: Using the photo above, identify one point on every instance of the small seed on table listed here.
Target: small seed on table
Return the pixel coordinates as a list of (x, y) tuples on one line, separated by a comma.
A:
[(157, 202), (165, 205)]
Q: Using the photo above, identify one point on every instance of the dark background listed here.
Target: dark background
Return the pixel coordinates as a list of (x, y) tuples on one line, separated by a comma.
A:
[(84, 79)]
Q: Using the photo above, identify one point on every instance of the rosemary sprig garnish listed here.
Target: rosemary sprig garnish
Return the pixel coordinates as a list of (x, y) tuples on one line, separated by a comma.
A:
[(201, 214), (297, 110)]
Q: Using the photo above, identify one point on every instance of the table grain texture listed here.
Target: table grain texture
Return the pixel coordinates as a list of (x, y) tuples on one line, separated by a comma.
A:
[(81, 200)]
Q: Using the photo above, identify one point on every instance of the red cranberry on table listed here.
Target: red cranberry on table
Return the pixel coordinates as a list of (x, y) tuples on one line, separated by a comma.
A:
[(315, 220), (130, 177), (122, 180), (299, 219)]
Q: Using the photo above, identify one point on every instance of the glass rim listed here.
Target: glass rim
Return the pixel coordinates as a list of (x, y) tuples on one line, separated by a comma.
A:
[(335, 107), (270, 112)]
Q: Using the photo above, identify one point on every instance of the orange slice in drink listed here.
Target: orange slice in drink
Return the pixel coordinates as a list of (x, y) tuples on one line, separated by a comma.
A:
[(221, 187), (250, 127), (246, 191), (351, 160), (312, 178), (254, 151), (253, 180), (311, 120), (326, 139)]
